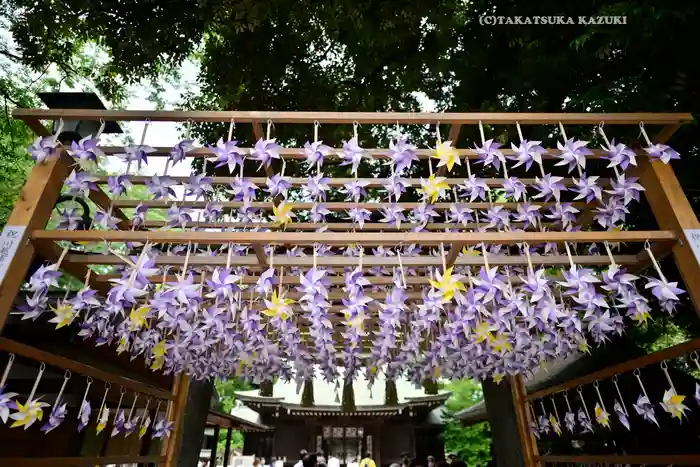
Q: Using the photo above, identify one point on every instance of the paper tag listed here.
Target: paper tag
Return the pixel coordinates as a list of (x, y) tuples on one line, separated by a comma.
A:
[(693, 236), (10, 240)]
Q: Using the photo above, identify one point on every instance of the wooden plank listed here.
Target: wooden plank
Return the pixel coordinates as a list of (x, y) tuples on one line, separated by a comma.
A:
[(625, 459), (37, 127), (329, 226), (454, 134), (341, 238), (672, 212), (79, 368), (340, 181), (629, 365), (260, 255), (523, 419), (78, 461), (419, 118), (31, 211), (332, 206), (176, 414)]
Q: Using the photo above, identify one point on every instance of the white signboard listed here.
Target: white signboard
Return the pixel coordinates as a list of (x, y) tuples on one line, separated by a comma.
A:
[(693, 236), (9, 242)]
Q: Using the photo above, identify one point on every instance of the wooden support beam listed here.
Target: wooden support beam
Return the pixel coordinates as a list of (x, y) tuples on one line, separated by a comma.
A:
[(212, 454), (32, 211), (261, 256), (176, 414), (523, 418), (417, 118), (101, 199), (78, 461), (454, 134), (630, 365), (79, 368), (672, 212), (362, 238)]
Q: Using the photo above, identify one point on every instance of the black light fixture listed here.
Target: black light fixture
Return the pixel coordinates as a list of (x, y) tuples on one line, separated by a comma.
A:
[(74, 130)]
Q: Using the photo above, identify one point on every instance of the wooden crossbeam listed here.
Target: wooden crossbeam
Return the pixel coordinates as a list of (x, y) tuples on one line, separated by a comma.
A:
[(362, 238), (330, 226), (419, 118)]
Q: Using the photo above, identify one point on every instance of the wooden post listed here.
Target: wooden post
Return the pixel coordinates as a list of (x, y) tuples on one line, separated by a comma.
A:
[(32, 211), (672, 212), (175, 414), (215, 444), (523, 418), (227, 449)]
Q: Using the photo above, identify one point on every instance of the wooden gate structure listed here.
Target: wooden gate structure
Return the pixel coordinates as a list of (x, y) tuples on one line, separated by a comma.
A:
[(27, 237)]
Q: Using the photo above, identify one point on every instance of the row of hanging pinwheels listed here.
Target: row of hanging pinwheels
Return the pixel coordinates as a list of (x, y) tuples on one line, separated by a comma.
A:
[(546, 420), (125, 421)]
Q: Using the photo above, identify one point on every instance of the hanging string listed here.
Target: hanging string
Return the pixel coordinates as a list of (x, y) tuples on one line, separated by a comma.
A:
[(583, 402), (442, 257), (644, 133), (437, 134), (146, 124), (647, 247), (133, 404), (101, 129), (638, 374), (566, 398), (609, 251), (607, 142), (556, 412), (533, 415), (269, 128), (108, 386), (66, 377), (42, 367), (664, 368), (481, 132), (401, 271), (568, 254), (6, 373), (155, 414), (231, 127), (619, 394), (596, 385), (85, 395), (526, 249), (520, 131), (563, 134)]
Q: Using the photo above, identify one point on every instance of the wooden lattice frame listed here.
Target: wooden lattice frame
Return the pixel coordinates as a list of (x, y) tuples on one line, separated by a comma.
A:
[(663, 192)]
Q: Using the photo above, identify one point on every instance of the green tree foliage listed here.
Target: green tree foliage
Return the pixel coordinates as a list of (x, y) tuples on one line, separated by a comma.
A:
[(226, 390), (471, 443)]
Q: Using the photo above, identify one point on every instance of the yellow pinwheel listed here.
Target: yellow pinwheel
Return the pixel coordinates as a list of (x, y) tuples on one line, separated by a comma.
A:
[(673, 404), (144, 426), (278, 306), (123, 345), (158, 353), (28, 413), (470, 251), (483, 332), (434, 187), (500, 344), (498, 376), (555, 424), (282, 213), (602, 416), (138, 318), (102, 420), (447, 155), (447, 284), (65, 314)]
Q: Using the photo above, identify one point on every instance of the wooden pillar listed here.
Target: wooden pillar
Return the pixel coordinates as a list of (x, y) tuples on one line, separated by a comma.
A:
[(215, 444), (503, 418), (176, 414), (528, 442), (227, 449), (193, 422), (32, 211), (672, 212)]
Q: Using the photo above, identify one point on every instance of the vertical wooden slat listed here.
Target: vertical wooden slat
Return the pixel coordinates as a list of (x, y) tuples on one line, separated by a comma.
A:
[(176, 413), (672, 212), (212, 457), (227, 449), (522, 414), (32, 211)]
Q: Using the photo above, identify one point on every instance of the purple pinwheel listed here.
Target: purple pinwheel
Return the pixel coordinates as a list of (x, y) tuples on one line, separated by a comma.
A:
[(489, 154), (620, 155), (666, 292), (562, 213), (528, 152), (315, 153), (475, 188), (160, 186), (645, 409), (617, 280), (544, 424), (118, 426), (136, 153), (395, 186), (106, 221), (80, 183), (56, 417), (459, 214), (212, 211), (621, 414), (489, 284), (118, 185), (570, 421), (44, 148), (514, 188), (198, 186), (69, 219), (352, 154), (180, 150), (313, 283), (355, 189), (697, 393), (223, 284), (265, 150), (243, 189), (587, 188), (318, 213), (43, 278), (85, 151), (359, 216), (278, 185), (6, 402), (392, 215), (266, 282), (34, 305), (573, 153), (317, 186), (139, 219), (625, 189), (131, 424), (610, 213), (402, 154), (528, 214), (227, 154), (84, 417), (662, 152), (549, 186), (577, 279), (498, 217), (178, 216), (423, 214), (585, 422), (161, 429), (185, 290), (537, 285)]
